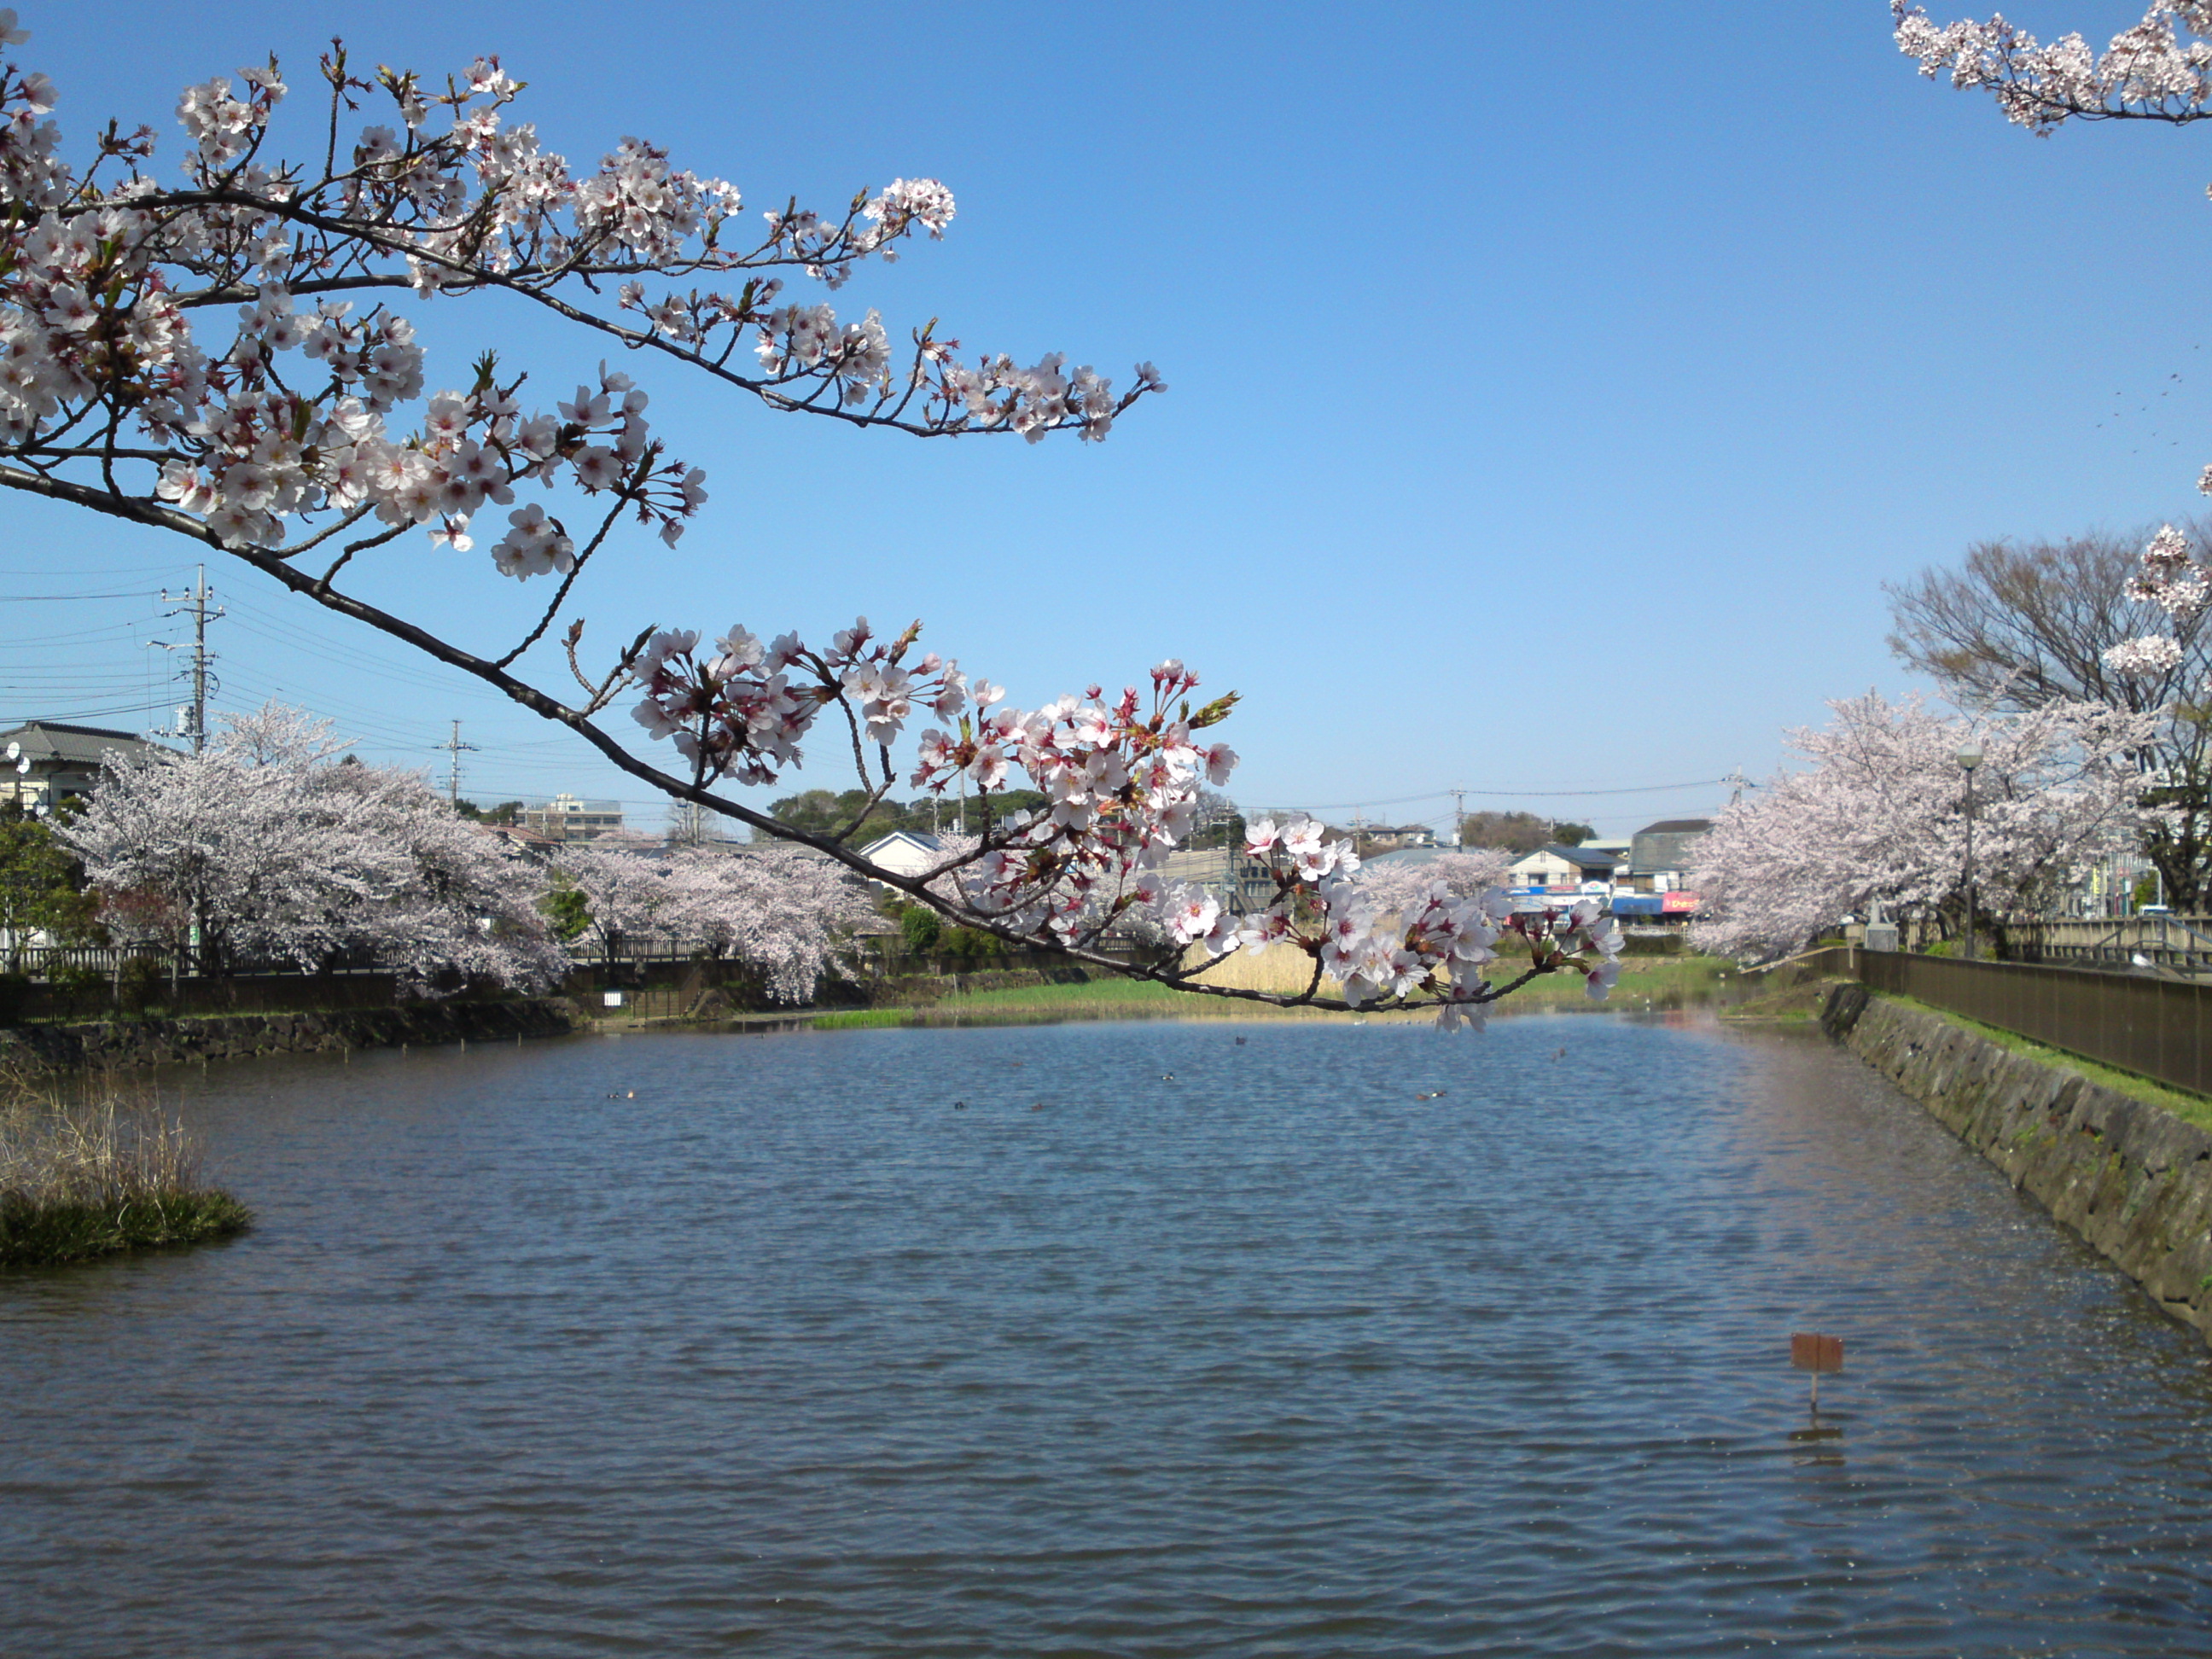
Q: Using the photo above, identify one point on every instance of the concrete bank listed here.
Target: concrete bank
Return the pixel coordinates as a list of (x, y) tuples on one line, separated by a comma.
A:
[(2133, 1181), (122, 1042)]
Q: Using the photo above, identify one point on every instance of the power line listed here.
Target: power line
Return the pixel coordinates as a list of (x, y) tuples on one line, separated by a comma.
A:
[(70, 599), (1518, 794)]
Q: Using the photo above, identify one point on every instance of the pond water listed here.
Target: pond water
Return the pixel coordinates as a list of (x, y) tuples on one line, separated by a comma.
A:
[(1154, 1340)]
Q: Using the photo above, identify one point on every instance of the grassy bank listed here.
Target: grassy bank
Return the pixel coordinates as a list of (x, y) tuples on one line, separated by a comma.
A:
[(1656, 982), (90, 1175), (2190, 1107)]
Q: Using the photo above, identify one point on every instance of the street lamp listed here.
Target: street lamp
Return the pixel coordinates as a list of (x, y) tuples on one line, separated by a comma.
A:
[(1970, 757)]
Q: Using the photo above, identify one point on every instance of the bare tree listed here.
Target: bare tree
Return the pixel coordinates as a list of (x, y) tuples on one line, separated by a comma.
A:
[(2023, 625)]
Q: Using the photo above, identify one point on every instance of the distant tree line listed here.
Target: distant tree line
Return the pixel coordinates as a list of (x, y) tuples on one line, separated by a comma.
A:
[(1518, 833)]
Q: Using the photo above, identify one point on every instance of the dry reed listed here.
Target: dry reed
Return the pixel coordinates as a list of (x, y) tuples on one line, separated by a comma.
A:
[(98, 1169)]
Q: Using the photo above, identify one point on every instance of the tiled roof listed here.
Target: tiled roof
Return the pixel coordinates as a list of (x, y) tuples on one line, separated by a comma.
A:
[(55, 743)]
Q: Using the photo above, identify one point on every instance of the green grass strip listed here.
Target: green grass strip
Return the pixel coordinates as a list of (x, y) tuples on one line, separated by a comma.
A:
[(34, 1234), (2190, 1107), (1669, 978)]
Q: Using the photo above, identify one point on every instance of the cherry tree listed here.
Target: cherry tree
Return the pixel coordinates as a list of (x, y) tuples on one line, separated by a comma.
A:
[(271, 847), (626, 890), (785, 913), (223, 346), (1879, 815), (1393, 885)]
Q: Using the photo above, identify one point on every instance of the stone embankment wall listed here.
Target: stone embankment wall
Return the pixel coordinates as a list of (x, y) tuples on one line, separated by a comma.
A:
[(2134, 1182), (122, 1043)]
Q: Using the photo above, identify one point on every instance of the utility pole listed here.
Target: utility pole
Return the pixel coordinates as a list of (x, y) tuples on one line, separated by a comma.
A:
[(1459, 812), (1740, 784), (455, 747), (195, 605)]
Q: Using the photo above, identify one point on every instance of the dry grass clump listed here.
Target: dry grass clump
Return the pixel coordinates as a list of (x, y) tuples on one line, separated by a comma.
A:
[(105, 1170), (1282, 968)]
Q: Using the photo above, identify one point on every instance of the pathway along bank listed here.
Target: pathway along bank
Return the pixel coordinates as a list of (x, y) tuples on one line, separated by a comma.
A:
[(2134, 1181)]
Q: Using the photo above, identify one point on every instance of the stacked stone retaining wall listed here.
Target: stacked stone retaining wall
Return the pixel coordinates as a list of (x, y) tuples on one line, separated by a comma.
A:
[(121, 1042), (2132, 1180)]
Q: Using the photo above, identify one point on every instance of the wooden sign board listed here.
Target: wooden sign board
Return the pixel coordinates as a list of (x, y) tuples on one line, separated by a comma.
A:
[(1809, 1353)]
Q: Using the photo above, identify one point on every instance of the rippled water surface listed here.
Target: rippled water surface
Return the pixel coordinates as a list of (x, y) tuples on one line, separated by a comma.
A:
[(1172, 1339)]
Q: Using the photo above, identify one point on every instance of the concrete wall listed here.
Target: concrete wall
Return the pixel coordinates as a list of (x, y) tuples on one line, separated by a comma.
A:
[(2134, 1181)]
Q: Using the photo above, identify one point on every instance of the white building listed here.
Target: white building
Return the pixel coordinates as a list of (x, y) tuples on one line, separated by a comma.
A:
[(1568, 869), (906, 852), (566, 817)]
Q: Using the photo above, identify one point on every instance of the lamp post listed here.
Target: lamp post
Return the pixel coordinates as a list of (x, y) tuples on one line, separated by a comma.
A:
[(1970, 757)]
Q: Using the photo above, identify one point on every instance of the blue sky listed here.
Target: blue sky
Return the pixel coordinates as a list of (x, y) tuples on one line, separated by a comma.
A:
[(1552, 392)]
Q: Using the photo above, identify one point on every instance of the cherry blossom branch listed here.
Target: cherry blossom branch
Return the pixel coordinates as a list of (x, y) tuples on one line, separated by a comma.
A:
[(2147, 73), (102, 287), (561, 594)]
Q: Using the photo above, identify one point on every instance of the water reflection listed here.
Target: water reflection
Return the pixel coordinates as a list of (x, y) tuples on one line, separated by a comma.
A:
[(1819, 1445), (1343, 1341)]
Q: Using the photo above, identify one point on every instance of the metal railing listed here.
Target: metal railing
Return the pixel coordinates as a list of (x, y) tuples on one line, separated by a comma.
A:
[(42, 961), (2156, 1026), (2179, 945)]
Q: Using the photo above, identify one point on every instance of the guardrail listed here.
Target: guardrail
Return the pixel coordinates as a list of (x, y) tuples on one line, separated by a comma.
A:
[(2181, 944), (41, 961), (2156, 1027)]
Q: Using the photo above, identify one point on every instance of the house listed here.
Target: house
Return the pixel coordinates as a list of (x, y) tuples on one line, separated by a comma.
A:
[(1242, 882), (1660, 854), (565, 817), (529, 842), (1557, 869), (44, 762), (906, 852), (1383, 838)]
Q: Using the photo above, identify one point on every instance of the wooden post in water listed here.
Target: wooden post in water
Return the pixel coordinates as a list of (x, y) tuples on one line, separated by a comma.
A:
[(1815, 1353)]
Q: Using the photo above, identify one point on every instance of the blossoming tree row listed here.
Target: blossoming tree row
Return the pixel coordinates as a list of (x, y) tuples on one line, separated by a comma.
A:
[(1879, 817), (270, 847)]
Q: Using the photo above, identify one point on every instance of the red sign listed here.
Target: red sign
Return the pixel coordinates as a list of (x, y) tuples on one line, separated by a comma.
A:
[(1809, 1352), (1676, 904)]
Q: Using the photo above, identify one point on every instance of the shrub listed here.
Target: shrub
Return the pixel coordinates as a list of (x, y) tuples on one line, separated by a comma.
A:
[(138, 983), (921, 928), (967, 946), (77, 985)]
